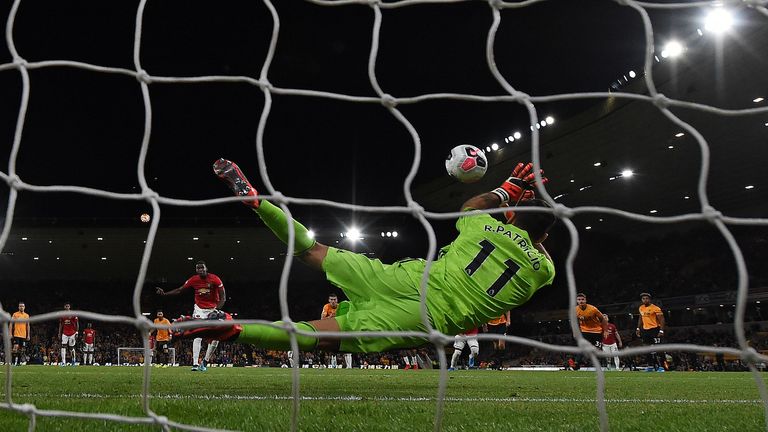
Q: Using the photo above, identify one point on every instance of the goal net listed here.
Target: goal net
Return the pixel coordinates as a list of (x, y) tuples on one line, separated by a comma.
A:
[(18, 182), (129, 356)]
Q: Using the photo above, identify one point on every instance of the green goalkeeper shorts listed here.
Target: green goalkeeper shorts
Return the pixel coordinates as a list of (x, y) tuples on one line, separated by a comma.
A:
[(382, 297)]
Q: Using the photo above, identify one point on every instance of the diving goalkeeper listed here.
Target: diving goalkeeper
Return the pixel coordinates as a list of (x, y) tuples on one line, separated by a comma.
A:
[(490, 268)]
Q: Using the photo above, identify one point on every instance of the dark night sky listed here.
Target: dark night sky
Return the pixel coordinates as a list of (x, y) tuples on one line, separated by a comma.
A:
[(85, 128)]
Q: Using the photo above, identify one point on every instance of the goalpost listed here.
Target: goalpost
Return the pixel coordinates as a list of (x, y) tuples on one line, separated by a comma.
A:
[(511, 95), (135, 356)]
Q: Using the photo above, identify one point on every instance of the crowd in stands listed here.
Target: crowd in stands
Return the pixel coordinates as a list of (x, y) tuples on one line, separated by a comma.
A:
[(689, 263), (44, 348), (680, 263)]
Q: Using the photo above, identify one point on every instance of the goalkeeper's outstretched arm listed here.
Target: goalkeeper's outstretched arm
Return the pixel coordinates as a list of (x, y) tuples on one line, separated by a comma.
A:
[(483, 201)]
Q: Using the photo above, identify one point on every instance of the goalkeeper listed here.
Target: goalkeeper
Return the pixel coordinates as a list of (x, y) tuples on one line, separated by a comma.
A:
[(490, 268)]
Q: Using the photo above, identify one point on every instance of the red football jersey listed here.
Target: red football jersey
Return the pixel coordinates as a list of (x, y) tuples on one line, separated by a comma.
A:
[(89, 335), (206, 290), (611, 338), (68, 325)]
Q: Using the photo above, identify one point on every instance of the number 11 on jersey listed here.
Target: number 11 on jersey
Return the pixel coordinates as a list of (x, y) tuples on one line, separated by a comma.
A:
[(486, 248)]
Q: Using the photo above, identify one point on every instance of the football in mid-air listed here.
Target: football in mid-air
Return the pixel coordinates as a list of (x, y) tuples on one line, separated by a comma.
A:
[(466, 163)]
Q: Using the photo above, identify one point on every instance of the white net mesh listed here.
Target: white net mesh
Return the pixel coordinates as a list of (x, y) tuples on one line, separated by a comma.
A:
[(707, 213)]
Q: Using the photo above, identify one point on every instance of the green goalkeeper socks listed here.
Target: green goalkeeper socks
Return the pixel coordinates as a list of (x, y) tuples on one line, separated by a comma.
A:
[(264, 336), (275, 219)]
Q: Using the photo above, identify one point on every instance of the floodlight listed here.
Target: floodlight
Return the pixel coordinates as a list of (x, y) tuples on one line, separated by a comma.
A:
[(353, 234), (672, 49), (718, 21)]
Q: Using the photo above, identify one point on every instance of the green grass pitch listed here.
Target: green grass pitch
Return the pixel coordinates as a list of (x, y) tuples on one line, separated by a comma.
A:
[(388, 400)]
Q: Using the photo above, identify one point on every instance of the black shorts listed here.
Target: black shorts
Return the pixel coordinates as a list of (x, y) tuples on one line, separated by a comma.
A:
[(497, 329), (595, 339), (163, 346), (650, 336), (22, 342)]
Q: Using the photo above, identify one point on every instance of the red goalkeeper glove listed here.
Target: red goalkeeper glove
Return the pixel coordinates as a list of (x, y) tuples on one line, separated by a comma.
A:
[(519, 186)]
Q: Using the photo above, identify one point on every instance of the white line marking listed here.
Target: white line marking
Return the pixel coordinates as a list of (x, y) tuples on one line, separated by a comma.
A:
[(356, 398)]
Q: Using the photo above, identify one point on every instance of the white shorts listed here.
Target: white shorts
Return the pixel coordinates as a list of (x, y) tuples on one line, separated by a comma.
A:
[(68, 340), (199, 313), (611, 348), (459, 343), (88, 347)]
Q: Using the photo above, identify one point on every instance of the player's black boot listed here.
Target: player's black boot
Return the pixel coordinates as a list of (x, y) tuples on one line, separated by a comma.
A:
[(230, 174)]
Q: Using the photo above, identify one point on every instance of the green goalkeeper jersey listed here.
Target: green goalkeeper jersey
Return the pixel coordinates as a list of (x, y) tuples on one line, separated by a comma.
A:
[(489, 269)]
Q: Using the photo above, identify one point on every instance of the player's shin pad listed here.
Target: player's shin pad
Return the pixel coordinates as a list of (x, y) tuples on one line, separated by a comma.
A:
[(275, 219), (264, 336)]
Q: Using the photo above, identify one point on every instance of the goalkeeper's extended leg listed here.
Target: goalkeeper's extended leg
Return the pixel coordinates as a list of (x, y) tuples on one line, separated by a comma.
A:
[(305, 247), (262, 335)]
